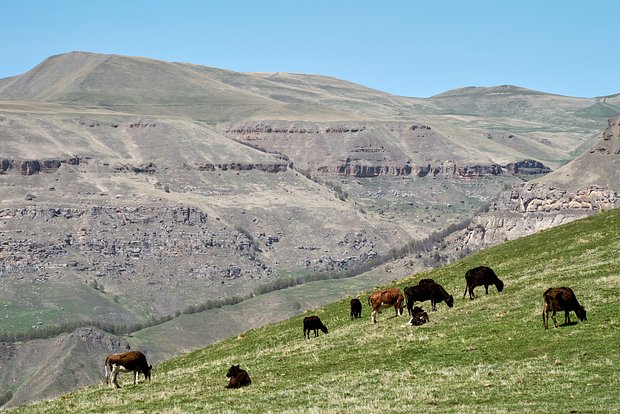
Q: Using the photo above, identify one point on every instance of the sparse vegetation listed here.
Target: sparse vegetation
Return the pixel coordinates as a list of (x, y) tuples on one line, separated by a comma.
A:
[(486, 355)]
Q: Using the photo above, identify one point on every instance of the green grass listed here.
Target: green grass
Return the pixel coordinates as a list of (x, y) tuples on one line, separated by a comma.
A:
[(487, 355)]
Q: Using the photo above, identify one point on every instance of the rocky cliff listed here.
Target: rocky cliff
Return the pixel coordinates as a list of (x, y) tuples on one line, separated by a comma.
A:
[(415, 150), (586, 185)]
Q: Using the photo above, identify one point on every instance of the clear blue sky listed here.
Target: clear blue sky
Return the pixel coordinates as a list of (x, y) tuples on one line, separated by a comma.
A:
[(409, 47)]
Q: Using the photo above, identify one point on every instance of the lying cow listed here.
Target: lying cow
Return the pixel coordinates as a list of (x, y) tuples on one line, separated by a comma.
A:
[(131, 361), (313, 323), (386, 298), (419, 316), (237, 377), (481, 276), (356, 308), (561, 299), (427, 289)]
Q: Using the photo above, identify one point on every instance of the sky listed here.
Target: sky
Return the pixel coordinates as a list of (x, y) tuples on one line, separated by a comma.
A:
[(415, 48)]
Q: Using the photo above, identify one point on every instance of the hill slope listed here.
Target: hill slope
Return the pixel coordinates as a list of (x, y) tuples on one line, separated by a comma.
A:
[(486, 355)]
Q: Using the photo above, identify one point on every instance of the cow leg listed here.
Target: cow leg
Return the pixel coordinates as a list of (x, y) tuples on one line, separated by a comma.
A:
[(115, 371), (107, 374), (373, 316), (486, 289), (135, 377), (465, 292), (555, 321), (566, 317)]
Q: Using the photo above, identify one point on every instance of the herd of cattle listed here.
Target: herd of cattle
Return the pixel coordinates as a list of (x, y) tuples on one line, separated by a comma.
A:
[(554, 300)]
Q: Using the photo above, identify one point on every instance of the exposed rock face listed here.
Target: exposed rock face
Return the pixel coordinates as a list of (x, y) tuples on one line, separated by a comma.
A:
[(542, 198), (444, 168), (527, 167), (599, 165), (611, 138), (236, 166), (531, 208), (358, 153), (30, 167), (124, 248)]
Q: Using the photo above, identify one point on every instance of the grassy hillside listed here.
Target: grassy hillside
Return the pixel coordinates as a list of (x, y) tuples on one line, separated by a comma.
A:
[(486, 355)]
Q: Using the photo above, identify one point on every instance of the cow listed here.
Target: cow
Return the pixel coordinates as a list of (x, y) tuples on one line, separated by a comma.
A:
[(356, 308), (386, 298), (313, 323), (427, 289), (237, 377), (131, 361), (481, 276), (418, 316), (561, 299)]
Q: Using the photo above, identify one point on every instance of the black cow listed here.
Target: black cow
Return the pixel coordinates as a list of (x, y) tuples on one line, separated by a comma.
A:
[(561, 299), (427, 289), (313, 323), (237, 377), (418, 316), (481, 276), (356, 308)]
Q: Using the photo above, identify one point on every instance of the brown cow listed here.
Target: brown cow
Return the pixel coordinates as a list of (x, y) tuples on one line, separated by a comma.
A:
[(132, 361), (558, 299), (386, 298)]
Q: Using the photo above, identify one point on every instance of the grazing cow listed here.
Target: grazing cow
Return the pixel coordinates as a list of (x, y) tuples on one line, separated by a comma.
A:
[(237, 377), (131, 361), (313, 323), (561, 299), (481, 276), (356, 308), (419, 316), (427, 289), (385, 299)]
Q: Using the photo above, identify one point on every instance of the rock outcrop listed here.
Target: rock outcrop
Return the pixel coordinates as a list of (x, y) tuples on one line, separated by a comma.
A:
[(530, 208), (30, 167), (352, 149)]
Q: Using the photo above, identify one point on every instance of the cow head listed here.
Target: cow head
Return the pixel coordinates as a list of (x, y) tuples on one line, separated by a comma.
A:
[(324, 329), (232, 371), (499, 285), (581, 313), (147, 372), (450, 301)]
